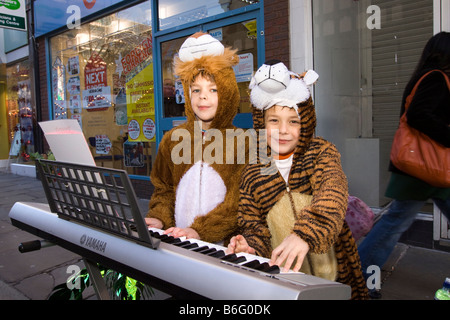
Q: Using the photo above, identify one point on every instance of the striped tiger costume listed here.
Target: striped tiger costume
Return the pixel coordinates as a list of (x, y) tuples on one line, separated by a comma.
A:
[(316, 171)]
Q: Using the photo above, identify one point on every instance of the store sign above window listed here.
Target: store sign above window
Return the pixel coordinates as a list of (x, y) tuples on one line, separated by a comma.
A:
[(137, 56), (13, 14), (50, 15)]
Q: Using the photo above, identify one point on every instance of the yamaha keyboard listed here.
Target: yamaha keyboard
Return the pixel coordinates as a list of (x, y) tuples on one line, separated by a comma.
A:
[(183, 268)]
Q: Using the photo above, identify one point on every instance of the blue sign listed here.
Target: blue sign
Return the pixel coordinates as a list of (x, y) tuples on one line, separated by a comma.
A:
[(50, 15)]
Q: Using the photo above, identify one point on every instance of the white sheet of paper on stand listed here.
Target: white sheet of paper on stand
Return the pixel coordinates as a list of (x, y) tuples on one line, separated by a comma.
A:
[(67, 141)]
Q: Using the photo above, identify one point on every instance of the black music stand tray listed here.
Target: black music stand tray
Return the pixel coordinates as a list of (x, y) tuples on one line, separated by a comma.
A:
[(98, 197)]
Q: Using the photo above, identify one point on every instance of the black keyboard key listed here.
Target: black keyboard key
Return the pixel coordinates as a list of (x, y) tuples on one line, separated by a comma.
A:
[(238, 260), (229, 257), (163, 237), (202, 248), (190, 246), (273, 269), (262, 266), (252, 264), (157, 235), (172, 240), (182, 243), (208, 251), (218, 254)]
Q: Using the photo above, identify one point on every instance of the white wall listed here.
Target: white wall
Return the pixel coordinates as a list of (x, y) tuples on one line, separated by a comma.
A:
[(332, 48), (301, 35)]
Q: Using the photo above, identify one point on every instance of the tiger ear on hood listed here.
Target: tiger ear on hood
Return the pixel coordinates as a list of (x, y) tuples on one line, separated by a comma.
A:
[(310, 77)]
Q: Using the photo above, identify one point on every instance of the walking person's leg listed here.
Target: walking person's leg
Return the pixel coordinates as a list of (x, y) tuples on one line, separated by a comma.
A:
[(381, 240)]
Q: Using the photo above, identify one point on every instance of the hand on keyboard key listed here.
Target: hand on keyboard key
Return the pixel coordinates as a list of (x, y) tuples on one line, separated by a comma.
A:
[(217, 251), (189, 233)]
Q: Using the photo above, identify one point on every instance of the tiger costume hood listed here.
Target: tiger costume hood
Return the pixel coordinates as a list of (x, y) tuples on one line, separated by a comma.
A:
[(315, 176), (273, 84)]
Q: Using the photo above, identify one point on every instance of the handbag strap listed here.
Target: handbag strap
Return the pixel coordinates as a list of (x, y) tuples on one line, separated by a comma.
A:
[(413, 92)]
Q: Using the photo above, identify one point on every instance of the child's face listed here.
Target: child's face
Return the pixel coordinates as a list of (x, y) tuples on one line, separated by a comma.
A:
[(204, 100), (283, 129)]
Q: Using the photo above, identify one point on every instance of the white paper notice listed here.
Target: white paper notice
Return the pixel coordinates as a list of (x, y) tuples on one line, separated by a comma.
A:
[(67, 141)]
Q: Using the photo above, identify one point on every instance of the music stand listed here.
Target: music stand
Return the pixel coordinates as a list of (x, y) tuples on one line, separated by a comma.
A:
[(98, 197)]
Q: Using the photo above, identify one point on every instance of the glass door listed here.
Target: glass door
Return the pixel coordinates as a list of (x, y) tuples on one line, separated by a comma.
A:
[(241, 32)]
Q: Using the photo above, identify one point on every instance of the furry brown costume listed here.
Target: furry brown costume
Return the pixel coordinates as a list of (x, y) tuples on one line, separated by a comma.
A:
[(201, 192), (316, 170)]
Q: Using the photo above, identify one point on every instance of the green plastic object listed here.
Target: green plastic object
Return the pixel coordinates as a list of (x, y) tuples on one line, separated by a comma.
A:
[(444, 293)]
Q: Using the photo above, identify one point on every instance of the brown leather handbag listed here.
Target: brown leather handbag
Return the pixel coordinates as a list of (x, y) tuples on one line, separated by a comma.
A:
[(416, 154)]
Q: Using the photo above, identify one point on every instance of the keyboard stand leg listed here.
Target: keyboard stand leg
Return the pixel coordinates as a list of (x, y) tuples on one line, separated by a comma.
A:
[(97, 280)]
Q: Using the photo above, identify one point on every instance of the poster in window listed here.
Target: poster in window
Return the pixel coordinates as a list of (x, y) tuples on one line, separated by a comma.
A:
[(133, 154), (134, 129), (102, 144), (97, 99), (244, 69), (78, 118), (120, 108), (73, 85), (140, 104), (58, 80), (75, 104), (149, 129), (73, 65), (179, 92), (60, 109), (97, 93)]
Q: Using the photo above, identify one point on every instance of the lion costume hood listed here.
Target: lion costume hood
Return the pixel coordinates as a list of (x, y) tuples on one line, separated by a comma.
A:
[(203, 54)]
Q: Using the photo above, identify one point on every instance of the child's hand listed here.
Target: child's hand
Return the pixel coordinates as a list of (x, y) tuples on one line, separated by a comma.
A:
[(239, 244), (189, 233), (154, 223), (291, 248)]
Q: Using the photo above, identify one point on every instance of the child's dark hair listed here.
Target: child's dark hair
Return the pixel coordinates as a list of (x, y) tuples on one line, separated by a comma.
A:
[(205, 75)]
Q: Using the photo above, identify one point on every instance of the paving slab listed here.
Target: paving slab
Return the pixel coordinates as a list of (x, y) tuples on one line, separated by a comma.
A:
[(7, 292), (414, 273)]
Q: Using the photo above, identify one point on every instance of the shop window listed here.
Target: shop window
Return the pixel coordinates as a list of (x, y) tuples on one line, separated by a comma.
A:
[(102, 76), (240, 36), (173, 13), (20, 112), (14, 39)]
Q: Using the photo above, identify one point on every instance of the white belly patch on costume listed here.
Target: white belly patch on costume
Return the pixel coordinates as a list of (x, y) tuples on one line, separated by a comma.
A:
[(200, 190)]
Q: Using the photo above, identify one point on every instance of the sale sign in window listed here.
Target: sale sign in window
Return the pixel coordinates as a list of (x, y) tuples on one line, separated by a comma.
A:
[(97, 94), (141, 106)]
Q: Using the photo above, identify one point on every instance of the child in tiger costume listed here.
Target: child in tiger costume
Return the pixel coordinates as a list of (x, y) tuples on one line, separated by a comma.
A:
[(292, 204)]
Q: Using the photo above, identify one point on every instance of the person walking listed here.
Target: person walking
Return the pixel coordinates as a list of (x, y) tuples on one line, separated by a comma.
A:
[(429, 113)]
